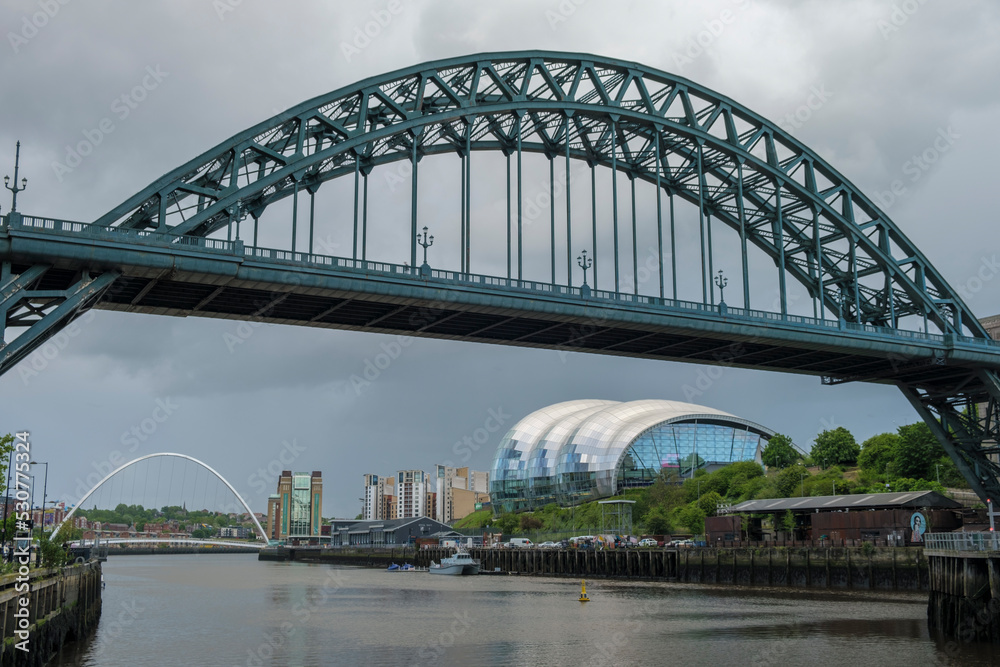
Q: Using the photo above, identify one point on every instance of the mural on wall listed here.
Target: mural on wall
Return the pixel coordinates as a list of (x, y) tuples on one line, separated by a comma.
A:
[(918, 526)]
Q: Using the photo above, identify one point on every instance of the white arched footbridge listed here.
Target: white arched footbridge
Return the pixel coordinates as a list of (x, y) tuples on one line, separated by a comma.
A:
[(259, 529)]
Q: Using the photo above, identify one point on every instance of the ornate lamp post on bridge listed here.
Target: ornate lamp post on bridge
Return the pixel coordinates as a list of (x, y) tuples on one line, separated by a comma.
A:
[(721, 282), (426, 242), (585, 263), (24, 181)]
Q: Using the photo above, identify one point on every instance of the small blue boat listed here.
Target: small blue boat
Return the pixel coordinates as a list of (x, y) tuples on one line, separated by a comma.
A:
[(392, 567)]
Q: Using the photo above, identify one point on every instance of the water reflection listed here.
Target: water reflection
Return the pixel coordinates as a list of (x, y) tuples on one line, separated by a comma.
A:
[(233, 610)]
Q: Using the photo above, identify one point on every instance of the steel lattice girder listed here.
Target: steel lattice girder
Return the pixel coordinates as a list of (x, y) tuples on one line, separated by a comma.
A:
[(42, 309), (816, 225), (965, 421)]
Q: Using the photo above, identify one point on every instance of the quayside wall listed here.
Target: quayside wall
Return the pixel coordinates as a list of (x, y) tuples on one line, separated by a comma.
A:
[(964, 598), (880, 568), (64, 604), (885, 568)]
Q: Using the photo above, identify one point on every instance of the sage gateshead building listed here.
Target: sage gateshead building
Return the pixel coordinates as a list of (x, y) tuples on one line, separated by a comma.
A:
[(578, 451)]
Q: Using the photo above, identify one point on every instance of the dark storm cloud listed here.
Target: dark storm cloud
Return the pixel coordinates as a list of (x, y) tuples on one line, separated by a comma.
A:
[(865, 96)]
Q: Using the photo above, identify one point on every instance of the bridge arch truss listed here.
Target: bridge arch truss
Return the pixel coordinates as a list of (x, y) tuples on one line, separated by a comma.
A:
[(736, 167)]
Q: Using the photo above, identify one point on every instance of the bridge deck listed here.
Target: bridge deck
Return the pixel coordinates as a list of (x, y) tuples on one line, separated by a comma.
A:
[(184, 276)]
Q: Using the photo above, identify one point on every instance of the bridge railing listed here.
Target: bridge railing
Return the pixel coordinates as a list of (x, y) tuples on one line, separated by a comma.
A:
[(398, 270), (117, 233), (960, 541)]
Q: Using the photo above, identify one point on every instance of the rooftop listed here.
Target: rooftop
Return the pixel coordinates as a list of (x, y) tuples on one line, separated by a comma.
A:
[(854, 502)]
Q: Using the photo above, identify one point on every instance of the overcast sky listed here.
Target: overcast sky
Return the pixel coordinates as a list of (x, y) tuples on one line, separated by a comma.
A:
[(893, 77)]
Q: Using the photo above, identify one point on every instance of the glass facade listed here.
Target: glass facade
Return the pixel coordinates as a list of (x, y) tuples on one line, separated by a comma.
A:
[(580, 451), (301, 506)]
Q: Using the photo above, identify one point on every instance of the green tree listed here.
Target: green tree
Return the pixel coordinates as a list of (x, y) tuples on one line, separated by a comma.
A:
[(916, 452), (779, 452), (877, 452), (657, 521), (529, 522), (692, 518), (507, 523), (788, 522), (835, 447)]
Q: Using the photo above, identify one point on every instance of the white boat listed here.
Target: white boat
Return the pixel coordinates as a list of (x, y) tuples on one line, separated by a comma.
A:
[(460, 563)]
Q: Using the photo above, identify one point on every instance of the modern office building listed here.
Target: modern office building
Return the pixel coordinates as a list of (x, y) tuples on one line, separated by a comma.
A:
[(295, 512), (458, 491), (578, 451)]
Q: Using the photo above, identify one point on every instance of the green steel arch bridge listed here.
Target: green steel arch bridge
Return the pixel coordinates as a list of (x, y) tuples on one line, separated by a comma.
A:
[(716, 184)]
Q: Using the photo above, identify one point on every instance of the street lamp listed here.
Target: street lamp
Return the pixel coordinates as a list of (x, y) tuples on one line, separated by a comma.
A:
[(45, 488), (721, 282), (425, 243), (585, 263), (24, 181)]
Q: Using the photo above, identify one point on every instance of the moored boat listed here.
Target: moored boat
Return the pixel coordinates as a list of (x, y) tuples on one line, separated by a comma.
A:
[(460, 563)]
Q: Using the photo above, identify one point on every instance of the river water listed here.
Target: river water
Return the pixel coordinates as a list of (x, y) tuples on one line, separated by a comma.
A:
[(231, 610)]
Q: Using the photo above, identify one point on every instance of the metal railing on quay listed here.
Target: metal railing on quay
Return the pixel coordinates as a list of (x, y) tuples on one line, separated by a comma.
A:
[(960, 541)]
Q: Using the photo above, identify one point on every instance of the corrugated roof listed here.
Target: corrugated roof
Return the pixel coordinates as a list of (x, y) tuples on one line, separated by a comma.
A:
[(858, 501)]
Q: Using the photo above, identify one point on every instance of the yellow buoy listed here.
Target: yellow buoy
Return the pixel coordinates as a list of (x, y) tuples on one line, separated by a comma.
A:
[(583, 591)]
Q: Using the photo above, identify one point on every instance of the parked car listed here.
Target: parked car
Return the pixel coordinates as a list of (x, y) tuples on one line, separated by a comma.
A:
[(548, 545), (521, 543), (647, 543)]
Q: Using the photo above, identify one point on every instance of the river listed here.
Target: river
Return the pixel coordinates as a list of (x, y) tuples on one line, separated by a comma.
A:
[(231, 610)]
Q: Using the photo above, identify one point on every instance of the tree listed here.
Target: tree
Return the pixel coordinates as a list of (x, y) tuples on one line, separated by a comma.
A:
[(788, 522), (692, 518), (529, 522), (657, 522), (836, 447), (779, 452), (916, 452), (877, 452), (507, 523)]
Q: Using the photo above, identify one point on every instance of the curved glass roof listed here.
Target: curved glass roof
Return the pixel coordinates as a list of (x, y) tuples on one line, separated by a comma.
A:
[(570, 452)]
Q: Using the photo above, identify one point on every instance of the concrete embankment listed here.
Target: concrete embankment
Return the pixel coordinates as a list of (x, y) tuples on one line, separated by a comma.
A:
[(63, 604), (855, 568)]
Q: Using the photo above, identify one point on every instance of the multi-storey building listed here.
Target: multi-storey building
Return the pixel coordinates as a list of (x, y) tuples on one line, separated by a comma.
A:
[(377, 492), (412, 488), (458, 491), (295, 512)]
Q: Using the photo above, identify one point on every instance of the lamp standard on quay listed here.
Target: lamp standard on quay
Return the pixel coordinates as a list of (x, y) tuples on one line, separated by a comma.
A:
[(45, 488)]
